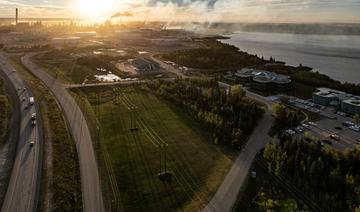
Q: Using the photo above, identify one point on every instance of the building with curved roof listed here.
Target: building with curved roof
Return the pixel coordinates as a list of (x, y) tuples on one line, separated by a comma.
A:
[(264, 80)]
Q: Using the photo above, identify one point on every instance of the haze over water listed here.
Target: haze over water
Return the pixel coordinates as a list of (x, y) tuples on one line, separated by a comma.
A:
[(337, 56)]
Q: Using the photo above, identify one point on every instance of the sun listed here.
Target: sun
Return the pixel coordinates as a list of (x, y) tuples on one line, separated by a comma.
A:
[(96, 8)]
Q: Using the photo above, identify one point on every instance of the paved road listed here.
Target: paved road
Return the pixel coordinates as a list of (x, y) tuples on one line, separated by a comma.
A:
[(22, 194), (227, 193), (90, 181)]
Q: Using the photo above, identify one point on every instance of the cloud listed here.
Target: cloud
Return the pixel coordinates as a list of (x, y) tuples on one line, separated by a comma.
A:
[(182, 3), (203, 10)]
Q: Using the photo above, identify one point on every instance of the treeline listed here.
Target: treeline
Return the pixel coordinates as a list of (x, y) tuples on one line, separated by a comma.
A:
[(305, 76), (285, 118), (214, 55), (230, 116), (329, 177)]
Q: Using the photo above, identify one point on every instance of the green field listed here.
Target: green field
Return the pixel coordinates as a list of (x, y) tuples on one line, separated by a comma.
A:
[(135, 127)]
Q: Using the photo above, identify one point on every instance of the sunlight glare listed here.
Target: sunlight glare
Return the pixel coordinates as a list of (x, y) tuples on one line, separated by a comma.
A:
[(96, 8)]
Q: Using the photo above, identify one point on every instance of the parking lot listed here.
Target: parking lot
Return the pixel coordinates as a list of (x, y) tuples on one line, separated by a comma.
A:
[(333, 129)]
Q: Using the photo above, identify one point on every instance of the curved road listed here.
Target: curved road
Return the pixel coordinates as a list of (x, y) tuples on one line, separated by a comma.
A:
[(90, 181), (23, 190), (226, 195)]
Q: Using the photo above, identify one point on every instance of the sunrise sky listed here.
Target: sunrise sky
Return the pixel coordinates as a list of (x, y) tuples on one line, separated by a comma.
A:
[(191, 10)]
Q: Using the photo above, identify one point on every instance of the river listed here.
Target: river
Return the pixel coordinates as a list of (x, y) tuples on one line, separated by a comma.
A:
[(337, 56)]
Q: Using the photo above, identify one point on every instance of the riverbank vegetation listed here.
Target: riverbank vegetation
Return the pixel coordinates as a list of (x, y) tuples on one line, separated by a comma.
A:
[(213, 56), (230, 116)]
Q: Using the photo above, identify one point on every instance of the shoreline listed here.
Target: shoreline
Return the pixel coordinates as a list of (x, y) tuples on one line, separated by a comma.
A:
[(329, 59)]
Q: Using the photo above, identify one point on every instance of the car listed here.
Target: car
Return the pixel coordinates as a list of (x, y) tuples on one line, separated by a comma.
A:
[(299, 129), (338, 128), (32, 143), (33, 116), (23, 99), (355, 128), (290, 132), (24, 89), (335, 137), (305, 125), (33, 123), (312, 123)]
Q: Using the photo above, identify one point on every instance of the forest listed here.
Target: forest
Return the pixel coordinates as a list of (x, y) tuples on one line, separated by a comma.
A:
[(214, 55), (230, 116), (329, 177)]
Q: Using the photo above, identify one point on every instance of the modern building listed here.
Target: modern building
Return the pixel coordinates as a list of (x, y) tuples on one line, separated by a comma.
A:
[(351, 105), (264, 80), (338, 99)]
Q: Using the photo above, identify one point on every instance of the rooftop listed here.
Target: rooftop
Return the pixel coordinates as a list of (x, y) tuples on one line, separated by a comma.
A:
[(355, 101), (330, 93), (263, 76)]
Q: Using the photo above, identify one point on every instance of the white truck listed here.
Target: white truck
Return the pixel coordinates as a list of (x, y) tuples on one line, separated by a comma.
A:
[(31, 100)]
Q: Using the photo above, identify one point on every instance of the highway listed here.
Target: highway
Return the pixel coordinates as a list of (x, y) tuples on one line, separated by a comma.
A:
[(24, 186), (226, 195), (89, 173)]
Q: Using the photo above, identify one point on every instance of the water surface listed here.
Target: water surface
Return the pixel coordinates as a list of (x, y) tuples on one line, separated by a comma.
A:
[(337, 56)]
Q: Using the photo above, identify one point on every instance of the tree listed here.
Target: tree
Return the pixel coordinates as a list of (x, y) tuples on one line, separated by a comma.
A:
[(279, 110), (284, 99), (356, 118), (237, 91)]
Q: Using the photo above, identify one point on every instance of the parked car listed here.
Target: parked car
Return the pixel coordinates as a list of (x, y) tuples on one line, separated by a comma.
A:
[(355, 128), (290, 132), (312, 123), (305, 125), (348, 123), (335, 137), (338, 128), (32, 143)]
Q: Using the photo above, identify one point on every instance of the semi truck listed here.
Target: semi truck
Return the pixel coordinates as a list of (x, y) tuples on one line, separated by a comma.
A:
[(31, 100)]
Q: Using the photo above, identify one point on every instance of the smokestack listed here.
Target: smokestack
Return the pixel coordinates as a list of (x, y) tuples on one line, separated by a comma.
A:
[(17, 16)]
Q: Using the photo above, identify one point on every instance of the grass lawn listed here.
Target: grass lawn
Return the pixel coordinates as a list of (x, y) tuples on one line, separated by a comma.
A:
[(135, 127)]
